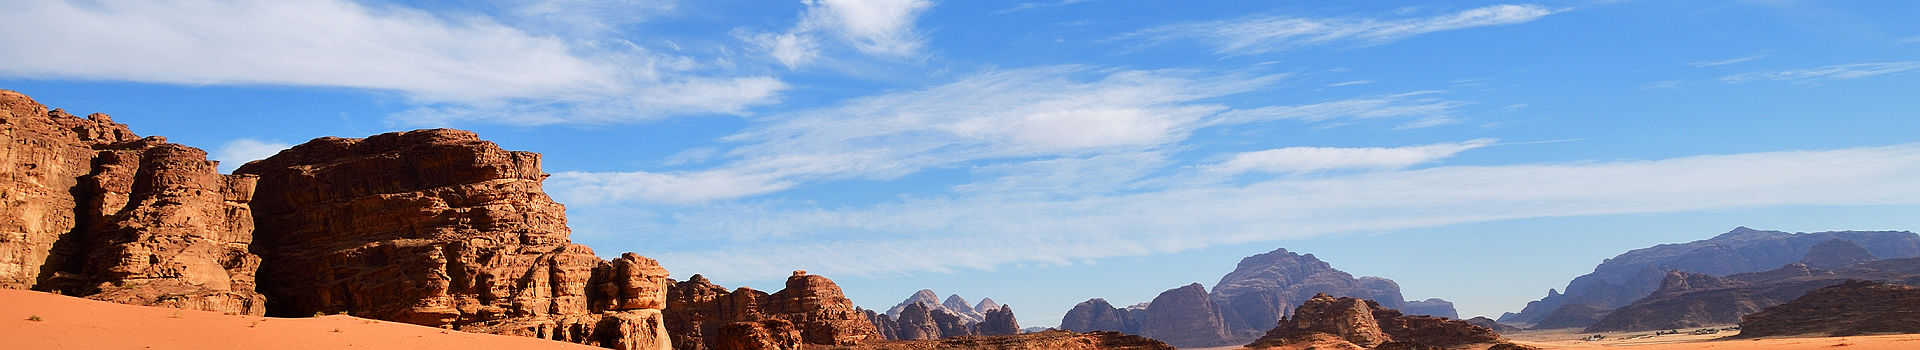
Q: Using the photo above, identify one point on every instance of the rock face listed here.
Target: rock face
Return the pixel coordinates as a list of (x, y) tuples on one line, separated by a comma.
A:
[(1688, 299), (1431, 307), (1836, 253), (1332, 322), (1097, 315), (1000, 321), (440, 228), (1572, 316), (1496, 326), (1850, 308), (701, 315), (1266, 287), (92, 210), (1185, 317), (1044, 340), (1636, 274)]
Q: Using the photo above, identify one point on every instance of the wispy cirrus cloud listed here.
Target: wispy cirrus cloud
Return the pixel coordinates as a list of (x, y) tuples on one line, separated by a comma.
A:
[(1834, 72), (454, 67), (1717, 63), (1311, 159), (1265, 34), (893, 238)]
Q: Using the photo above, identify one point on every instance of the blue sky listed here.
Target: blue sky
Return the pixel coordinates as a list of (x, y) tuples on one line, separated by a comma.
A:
[(1043, 153)]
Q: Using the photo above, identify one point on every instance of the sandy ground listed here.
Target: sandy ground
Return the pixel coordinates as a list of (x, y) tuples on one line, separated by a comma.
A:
[(74, 323)]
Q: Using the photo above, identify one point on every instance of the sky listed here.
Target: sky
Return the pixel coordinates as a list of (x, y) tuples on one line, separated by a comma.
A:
[(1045, 152)]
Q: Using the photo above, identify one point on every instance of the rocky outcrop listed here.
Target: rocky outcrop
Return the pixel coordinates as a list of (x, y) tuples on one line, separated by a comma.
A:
[(984, 305), (1636, 274), (1431, 307), (1045, 340), (1496, 326), (929, 319), (1328, 322), (999, 321), (1850, 308), (440, 228), (1185, 317), (90, 209), (699, 315), (886, 326), (1266, 287)]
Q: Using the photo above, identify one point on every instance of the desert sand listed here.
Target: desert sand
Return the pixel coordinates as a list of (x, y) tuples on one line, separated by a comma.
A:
[(72, 323)]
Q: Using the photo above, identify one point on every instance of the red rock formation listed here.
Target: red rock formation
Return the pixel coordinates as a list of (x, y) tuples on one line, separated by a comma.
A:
[(93, 210), (1047, 340), (1851, 308), (440, 228), (697, 311), (1327, 322), (768, 334)]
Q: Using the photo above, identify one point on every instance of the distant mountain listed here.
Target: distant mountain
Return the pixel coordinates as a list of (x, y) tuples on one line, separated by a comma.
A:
[(1688, 299), (1636, 274), (1244, 305), (923, 316), (1846, 309)]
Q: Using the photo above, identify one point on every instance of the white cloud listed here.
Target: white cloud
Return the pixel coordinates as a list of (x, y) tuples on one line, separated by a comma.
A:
[(1265, 34), (893, 238), (240, 151), (1350, 83), (1409, 105), (1034, 5), (476, 65), (1311, 159), (1728, 61), (1834, 72), (880, 28)]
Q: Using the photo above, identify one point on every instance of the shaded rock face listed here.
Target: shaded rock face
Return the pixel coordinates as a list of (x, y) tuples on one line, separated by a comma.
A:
[(1044, 340), (882, 324), (440, 228), (1688, 299), (1431, 307), (698, 314), (1266, 287), (1496, 326), (1636, 274), (1000, 321), (90, 209), (1097, 315), (1185, 317), (934, 319), (1850, 308), (1331, 322), (1572, 316), (1836, 253)]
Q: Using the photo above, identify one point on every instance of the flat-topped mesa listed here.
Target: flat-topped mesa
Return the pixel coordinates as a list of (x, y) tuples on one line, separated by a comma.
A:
[(810, 311), (438, 227), (93, 210)]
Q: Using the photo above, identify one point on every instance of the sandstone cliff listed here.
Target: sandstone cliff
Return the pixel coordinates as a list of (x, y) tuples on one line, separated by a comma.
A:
[(1185, 317), (440, 228), (90, 209), (1328, 322), (1851, 308), (1636, 274), (999, 321), (702, 315), (1266, 287), (1097, 315)]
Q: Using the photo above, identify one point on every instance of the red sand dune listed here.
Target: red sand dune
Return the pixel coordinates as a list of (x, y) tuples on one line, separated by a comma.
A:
[(74, 323)]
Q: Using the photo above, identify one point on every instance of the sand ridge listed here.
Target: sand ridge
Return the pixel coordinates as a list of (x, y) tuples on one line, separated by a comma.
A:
[(65, 322)]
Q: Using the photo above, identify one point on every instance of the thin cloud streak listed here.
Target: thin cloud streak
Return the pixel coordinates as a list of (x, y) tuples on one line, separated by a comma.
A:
[(892, 238), (1311, 159), (1266, 34), (1834, 72)]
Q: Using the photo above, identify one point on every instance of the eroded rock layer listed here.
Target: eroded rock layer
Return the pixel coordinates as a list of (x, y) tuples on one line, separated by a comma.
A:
[(1046, 340), (1851, 308), (90, 209), (440, 228), (702, 315)]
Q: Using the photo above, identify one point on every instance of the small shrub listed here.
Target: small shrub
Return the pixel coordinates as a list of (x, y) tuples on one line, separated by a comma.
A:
[(35, 318)]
